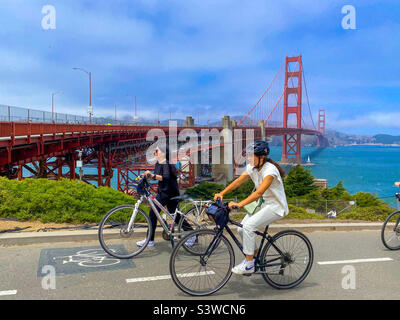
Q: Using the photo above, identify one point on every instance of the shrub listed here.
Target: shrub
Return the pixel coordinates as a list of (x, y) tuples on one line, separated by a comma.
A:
[(375, 213), (205, 190), (365, 199), (57, 201), (242, 192), (301, 213)]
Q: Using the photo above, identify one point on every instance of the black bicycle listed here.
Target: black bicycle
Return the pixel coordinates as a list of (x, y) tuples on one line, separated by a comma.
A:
[(390, 233), (284, 261)]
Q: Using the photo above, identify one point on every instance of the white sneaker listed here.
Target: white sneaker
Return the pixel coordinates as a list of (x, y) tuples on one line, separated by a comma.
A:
[(141, 243), (244, 267), (189, 242)]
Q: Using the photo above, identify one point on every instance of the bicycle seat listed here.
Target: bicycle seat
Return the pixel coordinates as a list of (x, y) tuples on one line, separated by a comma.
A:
[(181, 198)]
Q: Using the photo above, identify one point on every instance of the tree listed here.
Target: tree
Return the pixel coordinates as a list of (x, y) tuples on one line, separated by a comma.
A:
[(299, 182), (365, 199), (336, 193)]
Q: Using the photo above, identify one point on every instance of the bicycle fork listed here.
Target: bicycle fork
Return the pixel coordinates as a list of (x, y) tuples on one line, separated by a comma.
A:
[(210, 249), (134, 213)]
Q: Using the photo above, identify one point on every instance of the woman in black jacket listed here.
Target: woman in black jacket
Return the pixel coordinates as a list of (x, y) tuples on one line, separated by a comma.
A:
[(167, 176)]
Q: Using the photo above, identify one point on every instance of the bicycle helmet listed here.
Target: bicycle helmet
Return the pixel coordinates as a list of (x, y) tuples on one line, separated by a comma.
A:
[(258, 147)]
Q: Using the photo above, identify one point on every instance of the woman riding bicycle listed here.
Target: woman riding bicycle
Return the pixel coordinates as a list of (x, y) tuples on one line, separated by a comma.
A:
[(168, 188), (267, 176)]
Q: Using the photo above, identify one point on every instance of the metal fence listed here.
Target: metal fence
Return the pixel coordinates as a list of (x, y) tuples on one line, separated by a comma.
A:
[(11, 113), (324, 207)]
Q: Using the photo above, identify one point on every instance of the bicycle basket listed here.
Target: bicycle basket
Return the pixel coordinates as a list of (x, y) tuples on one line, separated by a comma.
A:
[(219, 213), (142, 186)]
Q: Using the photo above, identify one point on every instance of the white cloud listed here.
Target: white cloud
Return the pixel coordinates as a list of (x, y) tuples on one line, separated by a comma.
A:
[(373, 121), (155, 49)]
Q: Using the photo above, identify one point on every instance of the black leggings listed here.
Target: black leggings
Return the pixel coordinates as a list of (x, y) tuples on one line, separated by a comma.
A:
[(171, 206)]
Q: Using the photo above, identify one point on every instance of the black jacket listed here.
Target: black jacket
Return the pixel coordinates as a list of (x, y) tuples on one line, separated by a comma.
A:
[(169, 185)]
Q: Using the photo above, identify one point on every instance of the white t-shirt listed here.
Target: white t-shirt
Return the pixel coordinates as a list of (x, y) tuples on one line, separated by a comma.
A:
[(274, 197)]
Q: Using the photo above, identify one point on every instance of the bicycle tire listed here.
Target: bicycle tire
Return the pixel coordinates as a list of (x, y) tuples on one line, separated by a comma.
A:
[(396, 230), (179, 254), (109, 241), (267, 275)]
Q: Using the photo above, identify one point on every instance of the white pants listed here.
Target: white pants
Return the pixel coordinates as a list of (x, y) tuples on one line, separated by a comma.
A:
[(253, 223)]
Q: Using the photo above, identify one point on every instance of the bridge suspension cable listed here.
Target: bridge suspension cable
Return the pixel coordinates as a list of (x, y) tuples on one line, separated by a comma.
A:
[(261, 98)]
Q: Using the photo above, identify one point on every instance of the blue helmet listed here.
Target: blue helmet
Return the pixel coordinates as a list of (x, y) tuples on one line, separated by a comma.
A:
[(258, 147)]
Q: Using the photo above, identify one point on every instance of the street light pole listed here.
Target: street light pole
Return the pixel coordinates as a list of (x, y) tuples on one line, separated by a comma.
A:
[(52, 104), (90, 109)]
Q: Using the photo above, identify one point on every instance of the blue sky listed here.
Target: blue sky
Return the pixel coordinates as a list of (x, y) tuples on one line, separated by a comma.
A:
[(203, 58)]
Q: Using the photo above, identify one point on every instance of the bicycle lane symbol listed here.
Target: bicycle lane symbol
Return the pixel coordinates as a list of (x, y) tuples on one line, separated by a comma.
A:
[(90, 258), (80, 260)]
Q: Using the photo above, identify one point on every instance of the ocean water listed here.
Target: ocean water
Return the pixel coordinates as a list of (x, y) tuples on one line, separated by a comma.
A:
[(371, 169)]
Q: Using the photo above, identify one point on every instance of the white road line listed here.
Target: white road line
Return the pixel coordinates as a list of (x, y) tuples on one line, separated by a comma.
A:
[(355, 261), (8, 293), (182, 275)]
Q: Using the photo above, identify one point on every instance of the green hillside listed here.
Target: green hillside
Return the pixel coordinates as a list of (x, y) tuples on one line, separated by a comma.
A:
[(387, 139)]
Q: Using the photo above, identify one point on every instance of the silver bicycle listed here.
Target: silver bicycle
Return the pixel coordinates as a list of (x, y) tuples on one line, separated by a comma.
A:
[(124, 225)]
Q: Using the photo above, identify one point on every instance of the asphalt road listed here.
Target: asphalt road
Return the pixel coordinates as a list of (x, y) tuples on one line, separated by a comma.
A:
[(22, 275)]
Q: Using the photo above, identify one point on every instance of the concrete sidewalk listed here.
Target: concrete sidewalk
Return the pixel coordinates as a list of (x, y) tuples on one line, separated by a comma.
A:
[(25, 238)]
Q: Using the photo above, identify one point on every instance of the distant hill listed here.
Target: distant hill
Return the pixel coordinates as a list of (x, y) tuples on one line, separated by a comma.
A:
[(387, 139)]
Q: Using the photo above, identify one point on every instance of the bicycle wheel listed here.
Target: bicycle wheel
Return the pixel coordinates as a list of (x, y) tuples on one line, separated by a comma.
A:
[(390, 233), (114, 237), (288, 270), (198, 274), (193, 220)]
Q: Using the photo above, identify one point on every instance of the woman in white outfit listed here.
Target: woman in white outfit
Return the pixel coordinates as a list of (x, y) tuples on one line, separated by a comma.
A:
[(267, 176)]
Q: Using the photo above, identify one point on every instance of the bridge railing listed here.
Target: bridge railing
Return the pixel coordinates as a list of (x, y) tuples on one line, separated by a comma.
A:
[(19, 114)]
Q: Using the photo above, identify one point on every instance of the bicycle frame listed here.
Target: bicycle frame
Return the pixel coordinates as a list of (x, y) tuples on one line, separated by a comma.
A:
[(154, 203), (264, 235)]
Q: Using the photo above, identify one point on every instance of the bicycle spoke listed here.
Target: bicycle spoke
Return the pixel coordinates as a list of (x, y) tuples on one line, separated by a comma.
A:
[(114, 236), (296, 260), (213, 272)]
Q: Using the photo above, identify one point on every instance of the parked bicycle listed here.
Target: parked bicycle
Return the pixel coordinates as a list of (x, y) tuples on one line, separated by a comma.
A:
[(124, 225), (390, 233), (284, 261)]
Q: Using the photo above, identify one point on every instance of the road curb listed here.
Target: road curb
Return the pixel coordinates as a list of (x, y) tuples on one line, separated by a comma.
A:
[(25, 238)]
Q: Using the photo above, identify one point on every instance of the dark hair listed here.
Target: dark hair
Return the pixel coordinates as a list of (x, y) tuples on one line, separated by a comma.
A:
[(164, 147), (281, 171)]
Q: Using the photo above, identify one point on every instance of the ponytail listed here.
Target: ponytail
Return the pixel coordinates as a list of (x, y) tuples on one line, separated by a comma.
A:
[(281, 171)]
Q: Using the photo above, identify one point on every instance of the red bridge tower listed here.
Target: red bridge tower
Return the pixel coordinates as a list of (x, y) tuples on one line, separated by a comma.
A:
[(292, 142)]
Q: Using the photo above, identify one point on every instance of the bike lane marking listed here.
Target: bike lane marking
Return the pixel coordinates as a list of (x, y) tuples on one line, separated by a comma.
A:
[(182, 275), (355, 261), (8, 293)]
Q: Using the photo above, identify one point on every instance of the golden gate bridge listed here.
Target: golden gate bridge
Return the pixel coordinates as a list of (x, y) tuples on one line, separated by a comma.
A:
[(45, 147)]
